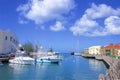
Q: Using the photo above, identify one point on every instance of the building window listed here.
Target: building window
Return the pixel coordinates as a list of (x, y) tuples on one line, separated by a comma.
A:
[(97, 49), (14, 40), (5, 37), (10, 38), (108, 52)]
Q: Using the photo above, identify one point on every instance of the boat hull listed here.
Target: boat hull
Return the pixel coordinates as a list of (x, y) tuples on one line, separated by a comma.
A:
[(22, 61), (48, 60)]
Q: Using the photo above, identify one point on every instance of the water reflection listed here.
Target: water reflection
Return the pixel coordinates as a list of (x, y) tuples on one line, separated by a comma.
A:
[(95, 65), (71, 68), (1, 63), (18, 70), (38, 71)]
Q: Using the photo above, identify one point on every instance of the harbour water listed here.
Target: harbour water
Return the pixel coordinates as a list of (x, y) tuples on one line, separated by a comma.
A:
[(70, 68)]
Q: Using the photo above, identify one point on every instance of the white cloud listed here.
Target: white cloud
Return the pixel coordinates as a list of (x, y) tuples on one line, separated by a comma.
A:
[(112, 24), (84, 25), (41, 11), (100, 11), (57, 27), (87, 25)]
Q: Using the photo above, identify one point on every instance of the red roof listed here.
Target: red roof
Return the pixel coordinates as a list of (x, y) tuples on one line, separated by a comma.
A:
[(117, 46), (111, 46)]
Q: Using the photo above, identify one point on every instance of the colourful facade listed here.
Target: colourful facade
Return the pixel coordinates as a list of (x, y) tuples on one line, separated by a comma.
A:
[(111, 49)]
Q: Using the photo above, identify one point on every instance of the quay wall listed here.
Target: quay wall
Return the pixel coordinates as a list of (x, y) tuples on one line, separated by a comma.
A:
[(113, 72)]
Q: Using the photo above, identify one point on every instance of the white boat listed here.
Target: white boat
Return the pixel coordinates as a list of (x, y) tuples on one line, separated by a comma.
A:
[(47, 57), (77, 54), (21, 58), (77, 49)]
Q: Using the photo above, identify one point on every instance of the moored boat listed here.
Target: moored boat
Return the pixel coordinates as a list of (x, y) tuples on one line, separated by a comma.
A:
[(22, 58), (77, 54), (43, 56), (49, 59), (72, 52)]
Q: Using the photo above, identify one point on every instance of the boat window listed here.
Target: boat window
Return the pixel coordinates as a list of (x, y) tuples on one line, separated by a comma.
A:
[(21, 49)]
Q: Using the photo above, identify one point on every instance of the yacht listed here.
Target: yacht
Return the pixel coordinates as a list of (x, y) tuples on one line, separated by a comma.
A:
[(22, 58)]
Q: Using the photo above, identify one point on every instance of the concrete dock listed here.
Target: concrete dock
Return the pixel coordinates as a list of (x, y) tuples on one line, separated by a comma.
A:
[(88, 56), (113, 73)]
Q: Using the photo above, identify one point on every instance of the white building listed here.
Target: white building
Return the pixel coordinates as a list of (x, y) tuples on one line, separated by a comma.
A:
[(118, 52), (86, 50), (8, 42), (94, 49)]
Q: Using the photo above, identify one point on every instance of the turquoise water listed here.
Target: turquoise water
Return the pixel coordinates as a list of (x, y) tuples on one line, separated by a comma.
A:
[(70, 68)]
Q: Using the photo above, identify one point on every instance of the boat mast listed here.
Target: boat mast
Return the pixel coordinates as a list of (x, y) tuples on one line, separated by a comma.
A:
[(77, 48)]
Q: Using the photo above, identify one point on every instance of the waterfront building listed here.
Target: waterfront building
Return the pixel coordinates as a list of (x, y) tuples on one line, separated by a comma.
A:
[(112, 49), (95, 50), (8, 42), (116, 50), (86, 51)]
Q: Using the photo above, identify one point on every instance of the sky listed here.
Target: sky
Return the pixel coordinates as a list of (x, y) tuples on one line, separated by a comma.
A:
[(64, 25)]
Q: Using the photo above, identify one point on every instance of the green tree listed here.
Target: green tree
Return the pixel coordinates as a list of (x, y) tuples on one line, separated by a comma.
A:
[(28, 47), (50, 50)]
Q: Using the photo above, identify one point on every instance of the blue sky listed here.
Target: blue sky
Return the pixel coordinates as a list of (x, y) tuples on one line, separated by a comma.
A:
[(60, 24)]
